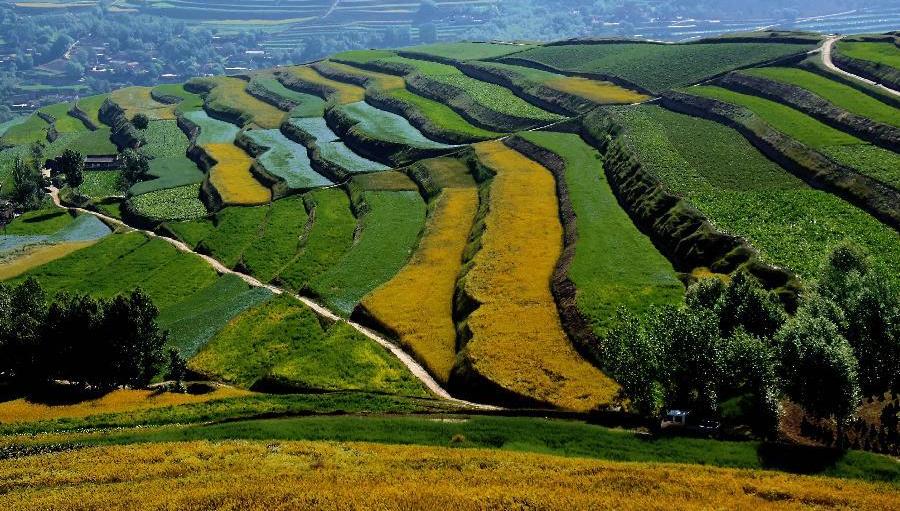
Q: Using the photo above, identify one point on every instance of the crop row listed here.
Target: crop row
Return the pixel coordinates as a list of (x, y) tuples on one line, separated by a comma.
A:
[(180, 203)]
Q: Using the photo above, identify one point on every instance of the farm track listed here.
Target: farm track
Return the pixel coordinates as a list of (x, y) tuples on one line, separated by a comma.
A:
[(826, 50), (414, 367)]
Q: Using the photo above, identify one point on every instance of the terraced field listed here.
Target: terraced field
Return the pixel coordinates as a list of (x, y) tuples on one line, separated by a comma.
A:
[(86, 142), (883, 53), (135, 100), (307, 104), (187, 101), (212, 131), (64, 123), (307, 79), (881, 164), (517, 341), (232, 178), (287, 160), (170, 203), (743, 192), (33, 129), (229, 98), (331, 147), (382, 125), (91, 107)]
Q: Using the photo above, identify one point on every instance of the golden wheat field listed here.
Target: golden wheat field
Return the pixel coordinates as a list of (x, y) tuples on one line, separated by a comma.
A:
[(232, 177), (37, 255), (319, 475), (379, 80), (417, 303), (596, 91), (118, 401), (517, 339), (137, 100), (344, 93), (231, 93)]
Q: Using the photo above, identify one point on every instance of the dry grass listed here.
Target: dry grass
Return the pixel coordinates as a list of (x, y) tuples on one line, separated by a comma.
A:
[(37, 255), (137, 100), (319, 475), (378, 80), (417, 303), (232, 178), (517, 339), (117, 401), (230, 94), (344, 93), (597, 91)]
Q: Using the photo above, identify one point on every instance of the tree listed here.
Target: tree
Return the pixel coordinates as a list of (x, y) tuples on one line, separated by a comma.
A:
[(136, 168), (745, 304), (634, 358), (129, 326), (140, 121), (177, 369), (24, 310), (71, 164), (26, 185), (751, 366)]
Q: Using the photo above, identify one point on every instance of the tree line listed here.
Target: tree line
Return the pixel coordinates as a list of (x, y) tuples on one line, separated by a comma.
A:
[(735, 341)]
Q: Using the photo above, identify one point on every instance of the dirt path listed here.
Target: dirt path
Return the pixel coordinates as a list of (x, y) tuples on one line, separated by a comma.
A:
[(827, 48), (414, 367)]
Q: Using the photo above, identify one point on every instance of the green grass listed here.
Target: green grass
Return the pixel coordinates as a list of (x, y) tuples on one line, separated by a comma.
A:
[(212, 131), (362, 56), (39, 222), (164, 139), (33, 129), (235, 229), (181, 203), (283, 340), (85, 142), (193, 321), (442, 115), (467, 51), (382, 125), (389, 234), (169, 173), (111, 207), (189, 101), (657, 67), (489, 95), (91, 106), (330, 237), (872, 161), (307, 104), (64, 123), (15, 121), (615, 264), (7, 163), (841, 95), (100, 183), (518, 434), (122, 262), (279, 239), (881, 52), (287, 160), (742, 192)]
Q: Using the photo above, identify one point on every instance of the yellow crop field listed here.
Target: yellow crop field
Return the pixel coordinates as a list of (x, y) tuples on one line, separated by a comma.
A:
[(37, 255), (232, 178), (239, 475), (118, 401), (517, 339), (344, 94), (137, 100), (380, 80), (231, 94), (596, 91), (417, 303)]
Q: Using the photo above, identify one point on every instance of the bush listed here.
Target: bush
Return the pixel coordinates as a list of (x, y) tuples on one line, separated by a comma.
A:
[(140, 121)]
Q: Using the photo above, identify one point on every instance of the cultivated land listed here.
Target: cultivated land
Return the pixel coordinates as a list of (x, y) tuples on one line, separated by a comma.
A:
[(332, 311)]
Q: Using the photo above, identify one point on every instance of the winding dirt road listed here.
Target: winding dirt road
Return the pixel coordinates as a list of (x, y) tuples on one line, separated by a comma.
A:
[(827, 48), (414, 367)]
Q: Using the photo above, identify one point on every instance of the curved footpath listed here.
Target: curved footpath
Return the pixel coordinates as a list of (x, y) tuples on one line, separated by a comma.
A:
[(827, 47), (414, 367)]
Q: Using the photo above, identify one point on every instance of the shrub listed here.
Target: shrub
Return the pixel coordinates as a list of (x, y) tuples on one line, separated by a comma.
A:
[(140, 121)]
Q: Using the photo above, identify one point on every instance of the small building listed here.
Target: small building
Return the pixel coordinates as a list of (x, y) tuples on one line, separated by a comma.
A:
[(102, 162)]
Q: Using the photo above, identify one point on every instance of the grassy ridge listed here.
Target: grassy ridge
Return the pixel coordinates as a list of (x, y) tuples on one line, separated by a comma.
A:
[(467, 50), (881, 164), (615, 264), (517, 342), (229, 97), (64, 123), (187, 101), (33, 129), (307, 77), (883, 53), (416, 305)]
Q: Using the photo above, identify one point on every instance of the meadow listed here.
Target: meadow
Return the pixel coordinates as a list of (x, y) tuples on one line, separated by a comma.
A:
[(742, 192), (290, 475), (417, 304), (232, 178), (15, 121), (179, 203), (284, 342), (517, 342), (881, 164), (658, 67), (388, 233), (27, 258), (137, 100), (229, 97), (287, 160), (383, 125), (85, 142), (615, 265), (212, 131), (306, 77), (330, 237), (834, 91), (228, 233), (33, 129)]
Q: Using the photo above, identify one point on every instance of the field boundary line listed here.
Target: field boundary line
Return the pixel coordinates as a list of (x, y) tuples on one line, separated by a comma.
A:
[(826, 49)]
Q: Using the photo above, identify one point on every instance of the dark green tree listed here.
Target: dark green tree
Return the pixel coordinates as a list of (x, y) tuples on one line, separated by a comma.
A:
[(140, 121), (634, 358), (71, 164), (136, 167), (135, 340), (745, 304), (751, 367), (177, 369), (26, 185)]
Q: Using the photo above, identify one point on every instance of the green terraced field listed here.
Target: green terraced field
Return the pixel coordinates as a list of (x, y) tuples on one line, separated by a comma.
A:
[(288, 345), (50, 227), (234, 229), (658, 67), (122, 262), (85, 142), (881, 52), (189, 100), (443, 116), (100, 183), (287, 159), (178, 203), (330, 237), (164, 139), (742, 192), (64, 123), (15, 121), (307, 104), (468, 51), (332, 149), (193, 321), (382, 125), (169, 173), (278, 240), (362, 56), (33, 129), (39, 222), (212, 131), (836, 92), (615, 264), (389, 233), (881, 164), (91, 106)]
